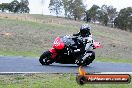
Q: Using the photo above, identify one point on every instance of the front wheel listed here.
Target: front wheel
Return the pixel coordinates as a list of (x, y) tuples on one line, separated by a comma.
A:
[(45, 58)]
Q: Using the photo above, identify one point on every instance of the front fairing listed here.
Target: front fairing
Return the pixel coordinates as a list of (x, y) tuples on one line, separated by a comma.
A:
[(58, 44), (67, 40)]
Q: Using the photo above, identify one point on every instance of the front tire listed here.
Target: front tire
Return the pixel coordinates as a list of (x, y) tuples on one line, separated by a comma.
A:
[(45, 58)]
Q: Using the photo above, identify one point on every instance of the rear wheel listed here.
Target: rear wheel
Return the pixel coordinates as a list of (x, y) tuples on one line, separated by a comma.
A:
[(45, 58)]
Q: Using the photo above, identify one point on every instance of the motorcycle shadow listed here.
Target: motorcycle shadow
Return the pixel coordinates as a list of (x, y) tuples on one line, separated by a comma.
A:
[(62, 65), (68, 65), (69, 68)]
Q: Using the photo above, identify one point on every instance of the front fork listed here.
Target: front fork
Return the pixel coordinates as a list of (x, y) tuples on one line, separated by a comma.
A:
[(53, 53)]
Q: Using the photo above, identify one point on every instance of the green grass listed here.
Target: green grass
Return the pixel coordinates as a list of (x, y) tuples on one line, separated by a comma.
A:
[(28, 38), (49, 81), (18, 53), (113, 60)]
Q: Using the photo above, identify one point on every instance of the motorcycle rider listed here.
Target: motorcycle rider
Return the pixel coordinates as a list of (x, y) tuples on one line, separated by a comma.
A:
[(84, 34), (84, 31)]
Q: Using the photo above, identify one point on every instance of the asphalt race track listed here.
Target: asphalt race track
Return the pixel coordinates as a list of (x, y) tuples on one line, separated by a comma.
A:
[(24, 64)]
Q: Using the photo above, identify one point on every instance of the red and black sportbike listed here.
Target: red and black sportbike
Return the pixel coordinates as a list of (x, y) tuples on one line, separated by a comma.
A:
[(70, 50)]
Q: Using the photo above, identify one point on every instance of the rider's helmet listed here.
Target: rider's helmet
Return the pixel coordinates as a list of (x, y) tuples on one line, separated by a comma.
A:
[(85, 30)]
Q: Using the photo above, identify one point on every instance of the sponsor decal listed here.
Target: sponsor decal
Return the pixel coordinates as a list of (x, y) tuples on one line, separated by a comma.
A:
[(83, 78)]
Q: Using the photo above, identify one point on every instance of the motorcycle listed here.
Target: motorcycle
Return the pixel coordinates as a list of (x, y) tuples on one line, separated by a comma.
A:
[(70, 50)]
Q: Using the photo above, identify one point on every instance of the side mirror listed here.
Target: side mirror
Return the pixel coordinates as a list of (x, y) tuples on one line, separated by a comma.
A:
[(96, 45)]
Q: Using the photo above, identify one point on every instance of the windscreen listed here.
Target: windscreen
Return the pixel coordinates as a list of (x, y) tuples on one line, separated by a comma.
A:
[(67, 40)]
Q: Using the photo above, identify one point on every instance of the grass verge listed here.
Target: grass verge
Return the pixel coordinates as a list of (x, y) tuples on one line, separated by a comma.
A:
[(49, 81), (19, 53), (113, 60)]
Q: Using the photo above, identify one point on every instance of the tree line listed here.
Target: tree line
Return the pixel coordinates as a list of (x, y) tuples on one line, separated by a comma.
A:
[(105, 15), (15, 6)]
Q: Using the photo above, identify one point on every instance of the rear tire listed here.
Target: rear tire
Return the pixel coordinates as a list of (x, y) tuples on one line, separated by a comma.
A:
[(45, 58)]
